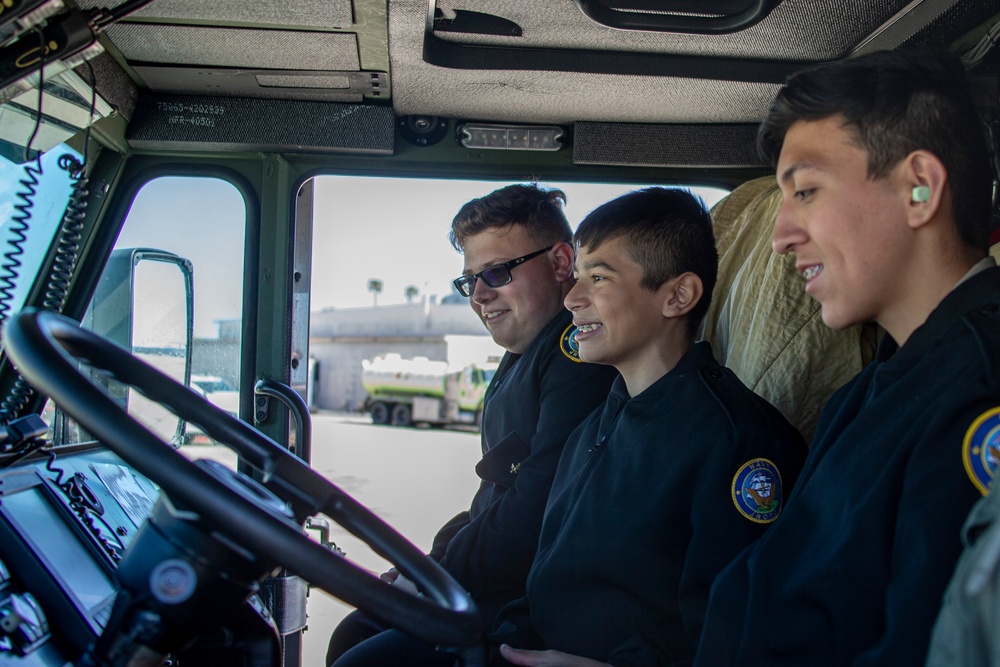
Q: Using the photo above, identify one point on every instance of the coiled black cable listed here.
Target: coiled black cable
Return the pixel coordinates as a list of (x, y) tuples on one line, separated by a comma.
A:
[(26, 200), (87, 507), (25, 197), (51, 466), (20, 393), (67, 253), (68, 246)]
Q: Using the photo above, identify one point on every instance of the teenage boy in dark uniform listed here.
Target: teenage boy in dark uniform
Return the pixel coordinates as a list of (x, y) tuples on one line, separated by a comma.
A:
[(518, 269), (682, 468), (884, 167)]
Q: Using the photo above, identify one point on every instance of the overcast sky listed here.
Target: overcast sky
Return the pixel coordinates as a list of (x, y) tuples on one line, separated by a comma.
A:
[(396, 231)]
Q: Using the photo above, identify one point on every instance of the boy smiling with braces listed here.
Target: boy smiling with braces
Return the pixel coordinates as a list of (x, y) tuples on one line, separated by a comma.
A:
[(681, 469), (886, 178)]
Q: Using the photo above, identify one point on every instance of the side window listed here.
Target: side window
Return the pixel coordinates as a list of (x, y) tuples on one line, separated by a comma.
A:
[(182, 236)]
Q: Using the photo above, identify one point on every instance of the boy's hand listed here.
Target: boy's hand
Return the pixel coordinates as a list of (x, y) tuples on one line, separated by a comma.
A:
[(396, 579), (517, 656)]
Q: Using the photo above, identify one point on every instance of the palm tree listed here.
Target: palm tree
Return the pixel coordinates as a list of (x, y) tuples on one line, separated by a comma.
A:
[(375, 287)]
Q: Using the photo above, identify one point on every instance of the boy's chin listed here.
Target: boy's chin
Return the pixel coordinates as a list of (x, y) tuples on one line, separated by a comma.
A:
[(593, 357), (835, 320)]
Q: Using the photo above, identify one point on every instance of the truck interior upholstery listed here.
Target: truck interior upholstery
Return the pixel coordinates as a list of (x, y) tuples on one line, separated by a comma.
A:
[(763, 325)]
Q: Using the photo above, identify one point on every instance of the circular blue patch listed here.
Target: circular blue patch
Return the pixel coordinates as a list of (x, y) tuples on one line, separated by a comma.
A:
[(757, 491), (981, 449), (568, 344)]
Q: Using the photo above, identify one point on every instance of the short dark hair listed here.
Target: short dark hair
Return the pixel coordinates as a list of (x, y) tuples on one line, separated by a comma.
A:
[(538, 210), (666, 231), (893, 103)]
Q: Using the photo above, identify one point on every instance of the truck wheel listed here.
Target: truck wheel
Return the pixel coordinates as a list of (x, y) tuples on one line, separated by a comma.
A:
[(479, 419), (401, 415), (379, 412)]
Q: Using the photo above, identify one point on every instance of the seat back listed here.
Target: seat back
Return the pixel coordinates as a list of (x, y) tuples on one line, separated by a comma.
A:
[(763, 325)]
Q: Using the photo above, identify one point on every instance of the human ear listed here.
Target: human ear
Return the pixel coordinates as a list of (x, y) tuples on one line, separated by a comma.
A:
[(924, 181), (562, 261), (683, 293)]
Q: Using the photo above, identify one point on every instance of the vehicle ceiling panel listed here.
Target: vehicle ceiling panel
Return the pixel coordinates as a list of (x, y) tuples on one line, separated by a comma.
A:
[(562, 69), (316, 14), (303, 49), (798, 30), (236, 47), (554, 97)]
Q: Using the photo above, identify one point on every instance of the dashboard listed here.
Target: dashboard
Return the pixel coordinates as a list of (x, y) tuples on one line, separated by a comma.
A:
[(64, 526), (71, 595)]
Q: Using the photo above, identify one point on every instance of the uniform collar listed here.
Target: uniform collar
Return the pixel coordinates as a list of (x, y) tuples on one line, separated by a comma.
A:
[(980, 284), (697, 356), (985, 263)]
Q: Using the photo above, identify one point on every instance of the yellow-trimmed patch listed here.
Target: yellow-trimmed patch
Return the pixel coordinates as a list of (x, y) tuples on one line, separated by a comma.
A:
[(757, 491), (981, 449), (568, 344)]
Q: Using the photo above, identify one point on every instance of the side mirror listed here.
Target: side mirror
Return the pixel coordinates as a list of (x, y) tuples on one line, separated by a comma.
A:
[(144, 302)]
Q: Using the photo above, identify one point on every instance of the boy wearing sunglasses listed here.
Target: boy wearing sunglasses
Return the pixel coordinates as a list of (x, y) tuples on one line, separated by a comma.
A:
[(518, 269)]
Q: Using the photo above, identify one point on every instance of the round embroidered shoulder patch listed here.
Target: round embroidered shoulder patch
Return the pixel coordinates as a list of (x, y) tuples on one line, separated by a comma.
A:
[(981, 449), (568, 344), (757, 491)]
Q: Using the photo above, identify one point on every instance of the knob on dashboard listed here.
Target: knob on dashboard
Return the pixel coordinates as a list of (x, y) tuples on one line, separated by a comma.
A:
[(23, 623)]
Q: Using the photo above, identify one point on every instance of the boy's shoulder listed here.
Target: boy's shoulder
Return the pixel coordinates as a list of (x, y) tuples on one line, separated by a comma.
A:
[(983, 320), (721, 381), (744, 408), (960, 337)]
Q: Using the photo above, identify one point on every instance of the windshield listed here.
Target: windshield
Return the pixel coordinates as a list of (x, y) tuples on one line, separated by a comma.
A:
[(32, 204)]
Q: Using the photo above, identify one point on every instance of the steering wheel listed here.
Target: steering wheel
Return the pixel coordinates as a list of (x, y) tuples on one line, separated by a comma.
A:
[(42, 346)]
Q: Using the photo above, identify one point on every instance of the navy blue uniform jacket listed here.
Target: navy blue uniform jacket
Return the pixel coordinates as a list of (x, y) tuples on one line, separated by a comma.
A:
[(854, 570), (644, 514), (534, 402)]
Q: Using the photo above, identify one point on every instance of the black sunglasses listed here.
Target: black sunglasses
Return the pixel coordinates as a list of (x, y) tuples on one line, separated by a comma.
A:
[(497, 275)]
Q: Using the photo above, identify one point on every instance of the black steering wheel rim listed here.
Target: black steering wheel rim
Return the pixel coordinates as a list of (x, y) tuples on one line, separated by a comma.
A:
[(43, 346)]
